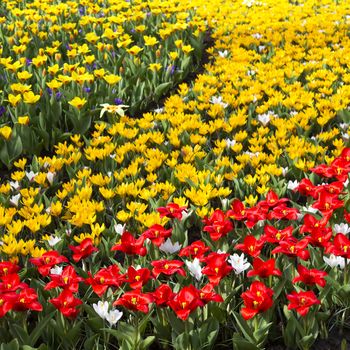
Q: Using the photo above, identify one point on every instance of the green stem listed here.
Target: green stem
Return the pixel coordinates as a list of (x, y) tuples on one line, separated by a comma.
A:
[(346, 272)]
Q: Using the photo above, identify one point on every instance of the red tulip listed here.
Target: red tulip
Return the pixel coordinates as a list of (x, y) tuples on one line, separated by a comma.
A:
[(135, 301), (172, 210), (345, 154), (302, 301), (130, 245), (327, 202), (7, 268), (307, 188), (208, 294), (321, 238), (104, 278), (292, 247), (238, 211), (217, 225), (66, 303), (283, 212), (186, 301), (7, 300), (167, 267), (323, 170), (157, 234), (264, 268), (311, 223), (272, 200), (217, 267), (67, 280), (255, 214), (10, 283), (310, 277), (195, 250), (162, 295), (138, 278), (257, 299), (273, 235), (340, 246), (83, 250), (47, 261), (332, 188), (251, 246), (27, 299), (341, 168)]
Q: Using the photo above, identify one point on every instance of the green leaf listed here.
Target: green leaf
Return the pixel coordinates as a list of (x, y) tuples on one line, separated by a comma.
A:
[(36, 333), (262, 332), (181, 342), (19, 333), (244, 328), (13, 345), (240, 343), (4, 155), (92, 342), (306, 341), (161, 90), (208, 333), (146, 343), (41, 347)]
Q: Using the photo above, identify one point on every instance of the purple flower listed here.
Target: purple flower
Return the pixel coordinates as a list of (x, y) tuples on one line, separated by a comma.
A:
[(87, 90), (58, 95), (28, 61), (2, 110), (82, 11), (171, 69), (118, 101)]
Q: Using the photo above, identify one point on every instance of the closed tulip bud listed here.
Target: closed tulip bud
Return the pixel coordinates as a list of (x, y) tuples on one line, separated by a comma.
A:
[(158, 53), (58, 56), (121, 70)]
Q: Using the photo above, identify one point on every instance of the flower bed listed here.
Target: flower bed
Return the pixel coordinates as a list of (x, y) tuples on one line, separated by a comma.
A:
[(62, 60), (174, 288), (207, 222)]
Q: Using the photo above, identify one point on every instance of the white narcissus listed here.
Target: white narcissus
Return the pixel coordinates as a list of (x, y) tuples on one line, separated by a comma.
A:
[(334, 261), (195, 268), (101, 308), (341, 228), (15, 199), (56, 270), (114, 316), (53, 240), (119, 228), (169, 247), (239, 263)]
